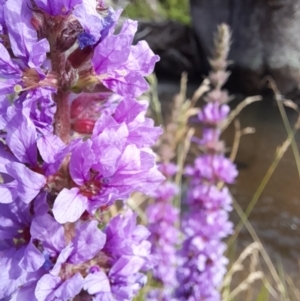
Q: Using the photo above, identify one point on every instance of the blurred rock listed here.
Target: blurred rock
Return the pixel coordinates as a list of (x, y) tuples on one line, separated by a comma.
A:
[(175, 43), (265, 39)]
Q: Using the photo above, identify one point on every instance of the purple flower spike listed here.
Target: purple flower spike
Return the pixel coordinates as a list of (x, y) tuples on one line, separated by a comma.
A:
[(202, 264), (162, 219), (65, 158)]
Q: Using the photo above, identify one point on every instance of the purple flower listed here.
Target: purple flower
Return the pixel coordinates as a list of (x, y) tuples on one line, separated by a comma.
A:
[(213, 168), (120, 66), (96, 26), (26, 72), (202, 264), (128, 252), (57, 7), (213, 113), (64, 279), (125, 237), (166, 192), (142, 131), (39, 106), (168, 169), (19, 180), (105, 169), (162, 219), (20, 258)]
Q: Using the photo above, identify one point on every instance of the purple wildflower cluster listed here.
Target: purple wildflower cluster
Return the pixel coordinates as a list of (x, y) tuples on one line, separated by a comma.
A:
[(162, 223), (73, 141), (205, 224)]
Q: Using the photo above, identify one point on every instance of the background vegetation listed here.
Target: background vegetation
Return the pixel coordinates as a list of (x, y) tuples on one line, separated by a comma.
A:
[(159, 9)]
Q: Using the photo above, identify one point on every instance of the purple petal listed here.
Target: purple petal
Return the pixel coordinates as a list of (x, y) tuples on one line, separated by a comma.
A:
[(114, 15), (21, 137), (103, 122), (62, 258), (141, 59), (22, 35), (81, 162), (4, 105), (53, 166), (5, 157), (97, 282), (70, 4), (70, 287), (49, 146), (130, 160), (7, 67), (52, 7), (132, 84), (89, 18), (48, 231), (39, 106), (128, 110), (129, 29), (111, 53), (69, 205), (46, 286), (39, 53), (14, 217), (29, 183), (8, 192), (7, 86), (126, 265), (104, 297), (143, 134), (33, 259), (89, 240), (24, 293)]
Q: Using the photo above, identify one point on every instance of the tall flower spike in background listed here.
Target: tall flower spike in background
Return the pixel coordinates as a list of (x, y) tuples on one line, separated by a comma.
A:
[(72, 143), (163, 218), (205, 223)]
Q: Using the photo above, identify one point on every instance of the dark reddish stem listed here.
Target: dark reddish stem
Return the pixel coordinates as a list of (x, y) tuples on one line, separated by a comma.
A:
[(62, 121)]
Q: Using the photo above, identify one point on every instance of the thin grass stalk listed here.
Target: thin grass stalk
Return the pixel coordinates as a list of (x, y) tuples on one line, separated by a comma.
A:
[(280, 152), (239, 109), (183, 150), (279, 100), (154, 100), (263, 251)]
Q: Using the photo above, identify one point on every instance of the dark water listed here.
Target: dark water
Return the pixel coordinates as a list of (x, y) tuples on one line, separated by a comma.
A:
[(276, 216)]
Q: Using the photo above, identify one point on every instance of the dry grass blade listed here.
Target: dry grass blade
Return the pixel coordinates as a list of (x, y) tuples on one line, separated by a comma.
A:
[(141, 214), (237, 138), (280, 103), (246, 102), (154, 100), (292, 287), (251, 250), (204, 87), (183, 150), (246, 284), (263, 251)]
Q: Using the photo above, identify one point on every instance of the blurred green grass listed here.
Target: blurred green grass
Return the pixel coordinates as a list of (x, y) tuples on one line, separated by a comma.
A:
[(177, 10)]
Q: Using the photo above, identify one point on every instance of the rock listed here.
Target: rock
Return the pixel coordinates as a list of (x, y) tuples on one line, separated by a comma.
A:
[(265, 39), (176, 45)]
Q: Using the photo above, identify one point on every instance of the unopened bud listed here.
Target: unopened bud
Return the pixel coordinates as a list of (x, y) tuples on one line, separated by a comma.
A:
[(84, 126)]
